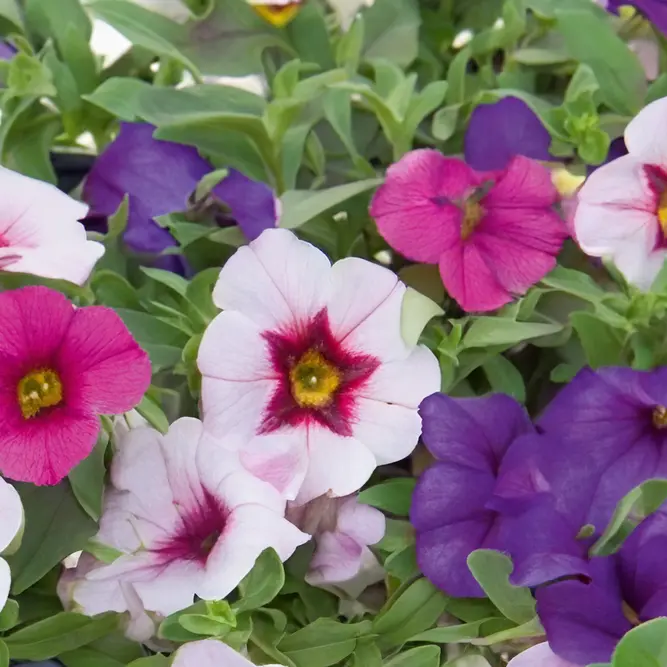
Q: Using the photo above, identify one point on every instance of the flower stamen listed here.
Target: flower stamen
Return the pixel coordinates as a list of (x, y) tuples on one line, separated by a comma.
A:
[(630, 614), (37, 390), (662, 212), (473, 212), (314, 380), (659, 417)]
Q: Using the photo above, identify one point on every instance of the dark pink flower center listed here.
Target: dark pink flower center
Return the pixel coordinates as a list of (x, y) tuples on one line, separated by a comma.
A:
[(200, 528), (319, 378), (657, 179)]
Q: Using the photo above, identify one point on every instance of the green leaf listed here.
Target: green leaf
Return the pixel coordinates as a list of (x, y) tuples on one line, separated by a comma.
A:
[(594, 146), (4, 654), (491, 569), (200, 624), (10, 17), (453, 633), (56, 526), (504, 377), (148, 329), (172, 629), (169, 279), (298, 207), (643, 646), (403, 564), (409, 612), (28, 76), (417, 310), (392, 31), (631, 510), (154, 661), (591, 40), (323, 643), (9, 616), (153, 414), (349, 48), (60, 633), (114, 291), (143, 28), (262, 584), (602, 343), (575, 283), (119, 96), (456, 77), (445, 120), (422, 656), (486, 331), (392, 496), (367, 654), (87, 478), (532, 628)]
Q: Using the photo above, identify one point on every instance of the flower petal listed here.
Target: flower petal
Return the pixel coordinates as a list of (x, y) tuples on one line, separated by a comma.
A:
[(642, 143), (104, 368), (210, 653), (11, 514), (277, 281), (415, 210), (540, 655)]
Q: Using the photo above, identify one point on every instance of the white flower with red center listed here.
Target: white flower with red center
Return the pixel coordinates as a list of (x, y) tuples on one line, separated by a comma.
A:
[(621, 209), (306, 372), (40, 232), (209, 653), (188, 519), (11, 522)]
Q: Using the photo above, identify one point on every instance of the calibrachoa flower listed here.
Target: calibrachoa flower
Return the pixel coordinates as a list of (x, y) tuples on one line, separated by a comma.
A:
[(160, 177), (495, 485), (539, 655), (11, 522), (188, 519), (622, 207), (516, 130), (40, 232), (306, 371), (493, 234), (61, 368), (654, 10), (209, 653), (611, 430), (343, 530), (277, 12), (584, 622)]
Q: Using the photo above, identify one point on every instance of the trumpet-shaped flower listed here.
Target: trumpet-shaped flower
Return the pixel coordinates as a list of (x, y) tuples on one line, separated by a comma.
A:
[(305, 371), (492, 234), (539, 655), (40, 232), (187, 519), (11, 522), (622, 207), (210, 653), (61, 368)]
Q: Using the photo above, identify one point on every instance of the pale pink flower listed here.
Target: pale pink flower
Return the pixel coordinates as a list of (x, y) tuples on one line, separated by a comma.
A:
[(539, 655), (40, 232), (343, 530), (210, 653), (492, 234), (622, 207), (11, 523), (306, 372), (188, 519)]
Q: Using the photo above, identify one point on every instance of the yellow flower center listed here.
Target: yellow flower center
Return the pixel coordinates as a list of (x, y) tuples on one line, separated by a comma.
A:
[(473, 212), (660, 417), (662, 212), (37, 390), (314, 380), (277, 15)]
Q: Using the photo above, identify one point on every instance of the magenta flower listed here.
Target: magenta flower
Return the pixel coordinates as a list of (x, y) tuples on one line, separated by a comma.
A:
[(493, 234), (60, 368)]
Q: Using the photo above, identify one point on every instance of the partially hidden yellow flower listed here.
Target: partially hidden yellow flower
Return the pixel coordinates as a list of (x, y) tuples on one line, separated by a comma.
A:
[(277, 12)]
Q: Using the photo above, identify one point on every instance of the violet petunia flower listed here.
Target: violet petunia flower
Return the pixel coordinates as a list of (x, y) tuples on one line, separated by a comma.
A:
[(584, 622), (499, 131), (452, 505), (611, 425), (7, 50), (160, 177), (654, 10)]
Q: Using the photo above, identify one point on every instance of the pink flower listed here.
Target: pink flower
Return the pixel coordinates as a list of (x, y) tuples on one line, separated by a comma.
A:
[(493, 234), (539, 655), (210, 653), (60, 368), (188, 519), (11, 523), (343, 530), (622, 207), (40, 232), (306, 373)]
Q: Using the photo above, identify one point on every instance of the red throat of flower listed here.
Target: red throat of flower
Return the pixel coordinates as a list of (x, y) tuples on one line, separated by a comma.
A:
[(278, 15), (319, 378), (657, 179)]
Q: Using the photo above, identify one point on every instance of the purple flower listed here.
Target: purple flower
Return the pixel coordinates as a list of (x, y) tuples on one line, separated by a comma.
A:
[(452, 506), (499, 131), (7, 51), (584, 622), (611, 430), (160, 177), (654, 10)]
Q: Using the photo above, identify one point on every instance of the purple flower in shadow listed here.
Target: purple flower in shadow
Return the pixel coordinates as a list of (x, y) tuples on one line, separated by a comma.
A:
[(585, 621), (654, 10), (499, 131), (160, 177)]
